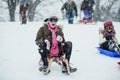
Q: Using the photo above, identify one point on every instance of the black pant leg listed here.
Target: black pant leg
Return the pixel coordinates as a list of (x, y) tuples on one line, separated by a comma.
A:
[(67, 50), (43, 52)]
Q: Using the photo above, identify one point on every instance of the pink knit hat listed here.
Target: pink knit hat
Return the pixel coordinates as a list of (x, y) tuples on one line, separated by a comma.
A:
[(107, 23)]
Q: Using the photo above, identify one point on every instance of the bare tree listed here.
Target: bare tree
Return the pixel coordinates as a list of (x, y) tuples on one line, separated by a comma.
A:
[(97, 11), (119, 14), (32, 8), (103, 12), (107, 13), (12, 8), (62, 1)]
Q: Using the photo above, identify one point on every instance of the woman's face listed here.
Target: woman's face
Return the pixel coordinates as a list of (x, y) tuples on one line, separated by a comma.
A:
[(53, 23)]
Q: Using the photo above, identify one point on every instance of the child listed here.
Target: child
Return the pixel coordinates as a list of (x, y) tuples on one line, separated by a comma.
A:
[(87, 7), (107, 38)]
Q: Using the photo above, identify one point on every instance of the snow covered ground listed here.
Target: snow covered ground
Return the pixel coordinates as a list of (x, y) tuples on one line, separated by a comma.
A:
[(19, 55)]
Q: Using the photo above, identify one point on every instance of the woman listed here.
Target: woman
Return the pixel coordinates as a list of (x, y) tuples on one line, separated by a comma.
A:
[(51, 42)]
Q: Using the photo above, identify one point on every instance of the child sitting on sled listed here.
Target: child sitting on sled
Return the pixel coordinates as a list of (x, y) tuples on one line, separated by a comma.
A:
[(107, 38)]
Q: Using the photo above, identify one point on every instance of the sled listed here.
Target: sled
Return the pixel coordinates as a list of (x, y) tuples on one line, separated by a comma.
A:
[(56, 59), (108, 53), (118, 63), (87, 22)]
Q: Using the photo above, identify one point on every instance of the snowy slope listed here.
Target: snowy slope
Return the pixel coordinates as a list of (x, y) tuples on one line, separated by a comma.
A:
[(19, 56)]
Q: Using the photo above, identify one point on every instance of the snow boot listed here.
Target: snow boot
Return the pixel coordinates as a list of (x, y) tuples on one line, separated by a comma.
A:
[(64, 70), (73, 69), (42, 68), (70, 21), (24, 22)]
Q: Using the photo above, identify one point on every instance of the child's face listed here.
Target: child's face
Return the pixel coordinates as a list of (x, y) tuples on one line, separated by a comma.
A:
[(109, 28)]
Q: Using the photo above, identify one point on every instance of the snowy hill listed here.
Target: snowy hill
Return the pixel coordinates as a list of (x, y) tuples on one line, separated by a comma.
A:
[(19, 55)]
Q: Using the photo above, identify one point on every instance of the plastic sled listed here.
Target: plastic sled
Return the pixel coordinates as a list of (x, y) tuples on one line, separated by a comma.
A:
[(108, 53), (86, 21)]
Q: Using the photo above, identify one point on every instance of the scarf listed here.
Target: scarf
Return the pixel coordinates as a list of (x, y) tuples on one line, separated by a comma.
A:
[(106, 33), (54, 48)]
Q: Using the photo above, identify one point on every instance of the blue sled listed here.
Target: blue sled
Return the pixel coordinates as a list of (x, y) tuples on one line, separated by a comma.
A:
[(108, 53)]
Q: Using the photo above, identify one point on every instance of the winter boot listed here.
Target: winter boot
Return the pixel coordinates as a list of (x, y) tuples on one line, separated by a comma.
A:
[(73, 69), (24, 21), (64, 69), (70, 21), (43, 69)]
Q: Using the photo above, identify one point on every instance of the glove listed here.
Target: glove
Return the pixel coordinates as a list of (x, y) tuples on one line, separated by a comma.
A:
[(48, 44), (38, 42), (59, 38)]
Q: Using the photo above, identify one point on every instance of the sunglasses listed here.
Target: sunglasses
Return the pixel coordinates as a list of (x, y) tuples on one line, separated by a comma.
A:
[(54, 19)]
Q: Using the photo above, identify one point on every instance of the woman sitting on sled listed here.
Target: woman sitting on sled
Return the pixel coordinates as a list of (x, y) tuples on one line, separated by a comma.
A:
[(51, 42)]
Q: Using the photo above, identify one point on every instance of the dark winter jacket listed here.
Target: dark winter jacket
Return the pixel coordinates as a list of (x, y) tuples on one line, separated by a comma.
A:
[(44, 33), (69, 7), (87, 5)]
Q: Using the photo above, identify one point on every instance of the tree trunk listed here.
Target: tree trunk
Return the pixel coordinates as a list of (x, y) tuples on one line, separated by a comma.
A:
[(31, 10), (97, 12), (12, 8)]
